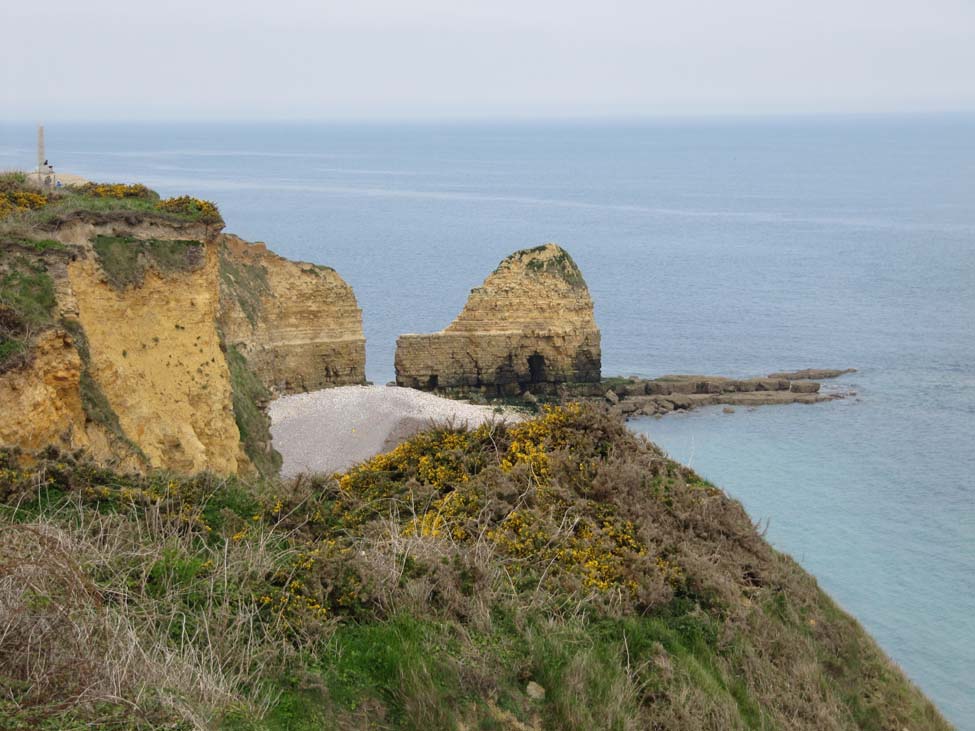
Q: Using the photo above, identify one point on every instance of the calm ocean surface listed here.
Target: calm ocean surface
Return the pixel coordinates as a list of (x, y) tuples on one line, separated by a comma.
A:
[(725, 247)]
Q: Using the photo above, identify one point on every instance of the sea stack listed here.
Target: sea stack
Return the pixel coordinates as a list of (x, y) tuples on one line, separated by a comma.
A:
[(529, 327)]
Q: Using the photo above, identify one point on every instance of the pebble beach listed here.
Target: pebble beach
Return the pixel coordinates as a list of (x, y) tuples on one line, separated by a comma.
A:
[(333, 429)]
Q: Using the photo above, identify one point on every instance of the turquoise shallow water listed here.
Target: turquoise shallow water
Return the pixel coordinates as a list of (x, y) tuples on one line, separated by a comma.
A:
[(722, 247)]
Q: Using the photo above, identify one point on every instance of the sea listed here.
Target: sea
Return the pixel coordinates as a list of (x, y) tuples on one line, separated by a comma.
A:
[(722, 246)]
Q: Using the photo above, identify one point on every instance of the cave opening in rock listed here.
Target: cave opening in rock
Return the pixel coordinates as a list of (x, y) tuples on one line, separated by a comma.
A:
[(536, 368)]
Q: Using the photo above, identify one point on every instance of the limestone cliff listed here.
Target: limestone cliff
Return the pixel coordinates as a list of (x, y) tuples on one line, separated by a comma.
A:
[(530, 326), (156, 354), (298, 324), (42, 404), (131, 335)]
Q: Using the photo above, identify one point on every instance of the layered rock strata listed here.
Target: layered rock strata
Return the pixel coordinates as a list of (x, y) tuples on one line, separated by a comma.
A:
[(529, 327), (148, 349), (298, 324)]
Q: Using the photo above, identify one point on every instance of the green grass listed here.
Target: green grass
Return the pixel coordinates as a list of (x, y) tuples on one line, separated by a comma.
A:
[(247, 283), (37, 245), (249, 396), (28, 290), (27, 303), (125, 260), (323, 608), (12, 180), (93, 400), (562, 265)]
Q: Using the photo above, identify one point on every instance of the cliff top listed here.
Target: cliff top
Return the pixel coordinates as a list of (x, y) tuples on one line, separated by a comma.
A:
[(547, 260), (26, 211), (531, 289)]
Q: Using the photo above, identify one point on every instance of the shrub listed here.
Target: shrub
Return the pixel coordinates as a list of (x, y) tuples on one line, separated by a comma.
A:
[(20, 201), (117, 190), (13, 180), (425, 588), (194, 208)]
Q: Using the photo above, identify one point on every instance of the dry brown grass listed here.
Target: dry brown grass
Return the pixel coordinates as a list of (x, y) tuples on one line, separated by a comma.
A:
[(66, 642), (407, 596)]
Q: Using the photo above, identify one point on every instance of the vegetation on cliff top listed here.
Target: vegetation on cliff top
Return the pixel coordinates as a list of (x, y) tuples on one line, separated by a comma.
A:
[(549, 259), (442, 585), (24, 209)]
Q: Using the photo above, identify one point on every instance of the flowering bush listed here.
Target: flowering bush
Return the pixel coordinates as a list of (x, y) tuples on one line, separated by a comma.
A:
[(117, 190), (185, 205), (18, 201), (523, 488)]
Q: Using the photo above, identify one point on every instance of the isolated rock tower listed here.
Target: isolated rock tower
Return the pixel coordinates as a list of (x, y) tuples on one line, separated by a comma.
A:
[(529, 327)]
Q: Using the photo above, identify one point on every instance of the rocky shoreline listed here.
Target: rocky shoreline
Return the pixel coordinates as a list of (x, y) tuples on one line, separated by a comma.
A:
[(636, 396), (630, 396)]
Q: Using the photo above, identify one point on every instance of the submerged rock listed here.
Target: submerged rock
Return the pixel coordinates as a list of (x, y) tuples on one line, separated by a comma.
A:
[(812, 374)]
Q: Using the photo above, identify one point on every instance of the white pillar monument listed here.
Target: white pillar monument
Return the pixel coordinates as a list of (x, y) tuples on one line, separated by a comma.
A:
[(40, 148)]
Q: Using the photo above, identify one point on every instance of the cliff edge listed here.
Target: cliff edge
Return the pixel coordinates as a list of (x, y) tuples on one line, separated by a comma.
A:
[(130, 327), (298, 324)]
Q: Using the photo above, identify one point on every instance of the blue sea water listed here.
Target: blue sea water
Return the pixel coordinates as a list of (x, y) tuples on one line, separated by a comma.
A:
[(730, 247)]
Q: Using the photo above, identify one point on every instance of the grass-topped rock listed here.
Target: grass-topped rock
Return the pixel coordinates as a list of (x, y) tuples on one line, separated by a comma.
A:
[(528, 327), (26, 209)]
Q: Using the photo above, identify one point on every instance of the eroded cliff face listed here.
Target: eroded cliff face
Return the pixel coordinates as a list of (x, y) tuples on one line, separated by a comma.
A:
[(150, 350), (156, 354), (297, 324), (42, 403), (530, 326)]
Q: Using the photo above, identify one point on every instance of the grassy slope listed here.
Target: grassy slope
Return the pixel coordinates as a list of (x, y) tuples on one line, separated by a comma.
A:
[(425, 589), (27, 297)]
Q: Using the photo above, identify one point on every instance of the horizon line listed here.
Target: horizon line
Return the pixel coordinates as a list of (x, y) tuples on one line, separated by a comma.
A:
[(960, 112)]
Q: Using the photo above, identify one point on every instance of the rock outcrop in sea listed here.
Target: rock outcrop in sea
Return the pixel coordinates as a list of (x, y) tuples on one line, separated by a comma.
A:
[(636, 396), (529, 327)]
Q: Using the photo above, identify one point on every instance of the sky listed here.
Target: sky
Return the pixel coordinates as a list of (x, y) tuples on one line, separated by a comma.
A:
[(432, 59)]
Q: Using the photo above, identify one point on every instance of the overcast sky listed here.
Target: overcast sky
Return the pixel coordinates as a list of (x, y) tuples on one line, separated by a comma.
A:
[(220, 59)]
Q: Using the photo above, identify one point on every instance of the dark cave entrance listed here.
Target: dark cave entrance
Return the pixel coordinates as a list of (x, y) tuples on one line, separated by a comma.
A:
[(536, 368)]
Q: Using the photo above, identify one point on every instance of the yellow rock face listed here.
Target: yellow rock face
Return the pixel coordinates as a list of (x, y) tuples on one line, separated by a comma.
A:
[(529, 326), (298, 324), (42, 403), (156, 355)]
